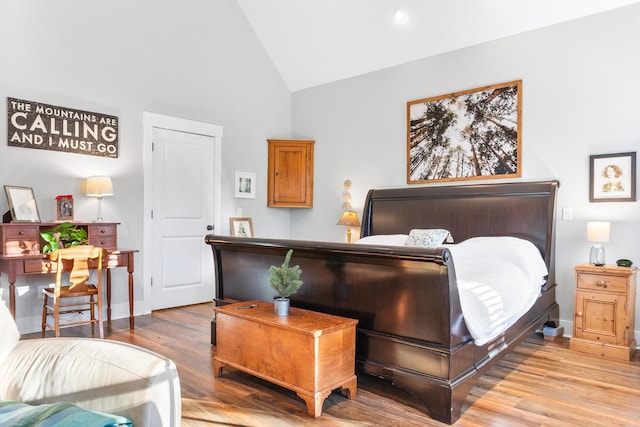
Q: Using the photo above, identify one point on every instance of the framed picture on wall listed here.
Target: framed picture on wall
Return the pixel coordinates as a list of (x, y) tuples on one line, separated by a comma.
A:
[(612, 177), (467, 135), (241, 227), (22, 204), (245, 185)]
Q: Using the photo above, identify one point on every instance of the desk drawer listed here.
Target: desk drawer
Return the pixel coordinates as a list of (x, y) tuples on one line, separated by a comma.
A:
[(107, 242), (20, 239), (602, 282), (103, 235), (39, 266)]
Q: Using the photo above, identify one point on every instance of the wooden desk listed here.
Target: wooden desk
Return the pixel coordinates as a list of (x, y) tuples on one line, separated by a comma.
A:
[(307, 352), (20, 245)]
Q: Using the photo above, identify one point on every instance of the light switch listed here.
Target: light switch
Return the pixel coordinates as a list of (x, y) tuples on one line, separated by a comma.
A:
[(567, 214)]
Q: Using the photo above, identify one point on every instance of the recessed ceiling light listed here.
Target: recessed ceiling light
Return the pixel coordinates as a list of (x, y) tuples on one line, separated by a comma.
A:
[(399, 15)]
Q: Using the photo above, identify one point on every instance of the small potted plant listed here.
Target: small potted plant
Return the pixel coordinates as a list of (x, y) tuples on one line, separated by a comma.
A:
[(63, 236), (286, 281)]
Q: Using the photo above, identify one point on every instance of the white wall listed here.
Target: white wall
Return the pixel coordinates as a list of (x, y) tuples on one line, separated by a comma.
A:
[(194, 59), (581, 86), (200, 60)]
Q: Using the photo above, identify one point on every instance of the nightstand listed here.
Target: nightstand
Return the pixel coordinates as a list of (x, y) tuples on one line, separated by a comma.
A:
[(604, 311)]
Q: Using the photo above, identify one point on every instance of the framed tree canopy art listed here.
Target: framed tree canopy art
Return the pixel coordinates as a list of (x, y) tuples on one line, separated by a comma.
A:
[(473, 134)]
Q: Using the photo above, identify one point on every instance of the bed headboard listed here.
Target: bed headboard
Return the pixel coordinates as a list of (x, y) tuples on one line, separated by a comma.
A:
[(520, 209)]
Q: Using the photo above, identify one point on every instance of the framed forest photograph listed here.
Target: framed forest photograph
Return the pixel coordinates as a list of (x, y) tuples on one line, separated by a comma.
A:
[(472, 134)]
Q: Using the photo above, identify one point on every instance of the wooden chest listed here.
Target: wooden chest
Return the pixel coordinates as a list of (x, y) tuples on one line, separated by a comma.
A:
[(307, 352)]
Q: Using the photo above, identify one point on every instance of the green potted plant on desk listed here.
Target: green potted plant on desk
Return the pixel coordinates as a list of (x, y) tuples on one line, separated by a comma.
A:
[(63, 236), (286, 281)]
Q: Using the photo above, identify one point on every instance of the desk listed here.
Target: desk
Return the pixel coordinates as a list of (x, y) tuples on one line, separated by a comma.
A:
[(20, 255)]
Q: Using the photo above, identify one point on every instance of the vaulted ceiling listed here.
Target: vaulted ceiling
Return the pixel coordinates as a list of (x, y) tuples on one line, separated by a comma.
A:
[(312, 42)]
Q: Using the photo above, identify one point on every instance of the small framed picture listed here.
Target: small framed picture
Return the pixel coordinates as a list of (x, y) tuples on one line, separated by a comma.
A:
[(245, 185), (64, 208), (22, 204), (241, 227), (612, 177)]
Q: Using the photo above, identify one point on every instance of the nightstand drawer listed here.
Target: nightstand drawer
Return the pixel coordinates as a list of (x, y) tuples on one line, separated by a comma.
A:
[(602, 282)]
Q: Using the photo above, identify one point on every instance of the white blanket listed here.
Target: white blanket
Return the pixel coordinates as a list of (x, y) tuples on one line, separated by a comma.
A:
[(499, 279)]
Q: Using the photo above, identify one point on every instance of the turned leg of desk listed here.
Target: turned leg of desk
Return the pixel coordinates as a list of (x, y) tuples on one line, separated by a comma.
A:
[(12, 298), (109, 296), (11, 277), (130, 269)]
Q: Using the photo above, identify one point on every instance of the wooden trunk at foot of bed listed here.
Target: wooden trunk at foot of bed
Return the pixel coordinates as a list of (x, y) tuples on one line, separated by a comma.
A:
[(411, 330)]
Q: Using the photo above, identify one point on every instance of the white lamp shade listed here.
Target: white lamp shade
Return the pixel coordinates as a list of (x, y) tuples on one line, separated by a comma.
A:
[(598, 231), (99, 186)]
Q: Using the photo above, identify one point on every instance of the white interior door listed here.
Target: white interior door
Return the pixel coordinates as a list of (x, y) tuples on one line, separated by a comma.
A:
[(183, 197)]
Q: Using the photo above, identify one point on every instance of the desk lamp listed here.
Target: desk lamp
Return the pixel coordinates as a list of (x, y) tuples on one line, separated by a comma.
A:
[(99, 186)]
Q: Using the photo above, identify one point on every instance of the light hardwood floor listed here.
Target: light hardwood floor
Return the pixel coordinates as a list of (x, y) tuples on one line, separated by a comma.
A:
[(541, 383)]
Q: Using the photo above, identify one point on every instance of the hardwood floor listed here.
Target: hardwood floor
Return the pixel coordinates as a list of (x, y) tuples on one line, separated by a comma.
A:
[(541, 383)]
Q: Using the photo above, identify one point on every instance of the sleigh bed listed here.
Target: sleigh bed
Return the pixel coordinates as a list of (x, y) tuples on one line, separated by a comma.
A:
[(411, 330)]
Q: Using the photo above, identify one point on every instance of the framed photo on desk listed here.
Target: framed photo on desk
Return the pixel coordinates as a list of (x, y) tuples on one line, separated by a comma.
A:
[(22, 204)]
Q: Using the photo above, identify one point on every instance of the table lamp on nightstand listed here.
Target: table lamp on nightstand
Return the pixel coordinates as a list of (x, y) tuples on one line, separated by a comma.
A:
[(598, 233)]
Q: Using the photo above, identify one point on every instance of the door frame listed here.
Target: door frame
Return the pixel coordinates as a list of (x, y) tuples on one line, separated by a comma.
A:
[(151, 121)]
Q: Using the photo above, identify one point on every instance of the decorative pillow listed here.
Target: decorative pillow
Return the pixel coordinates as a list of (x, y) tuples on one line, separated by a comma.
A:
[(8, 332), (431, 238)]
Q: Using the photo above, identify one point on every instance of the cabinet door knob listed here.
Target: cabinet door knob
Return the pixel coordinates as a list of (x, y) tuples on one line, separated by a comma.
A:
[(579, 313)]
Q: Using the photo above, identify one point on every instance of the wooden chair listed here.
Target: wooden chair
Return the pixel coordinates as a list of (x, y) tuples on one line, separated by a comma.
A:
[(78, 262)]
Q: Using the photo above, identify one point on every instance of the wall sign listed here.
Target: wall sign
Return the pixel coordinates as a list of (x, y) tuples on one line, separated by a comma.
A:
[(49, 127)]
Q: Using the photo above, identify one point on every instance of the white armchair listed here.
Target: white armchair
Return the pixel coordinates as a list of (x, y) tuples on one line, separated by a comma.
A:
[(95, 374)]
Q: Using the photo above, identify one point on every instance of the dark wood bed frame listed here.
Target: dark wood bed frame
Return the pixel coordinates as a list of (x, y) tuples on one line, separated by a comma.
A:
[(411, 330)]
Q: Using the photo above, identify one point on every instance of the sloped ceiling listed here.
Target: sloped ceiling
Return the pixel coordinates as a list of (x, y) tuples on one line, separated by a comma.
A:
[(312, 42)]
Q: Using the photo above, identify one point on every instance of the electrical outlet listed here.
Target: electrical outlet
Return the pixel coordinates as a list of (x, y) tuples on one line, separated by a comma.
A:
[(567, 214)]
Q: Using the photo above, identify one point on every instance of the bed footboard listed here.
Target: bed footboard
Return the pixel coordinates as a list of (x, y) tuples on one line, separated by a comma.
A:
[(411, 330)]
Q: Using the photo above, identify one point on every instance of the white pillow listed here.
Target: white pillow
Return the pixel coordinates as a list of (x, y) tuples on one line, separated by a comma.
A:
[(430, 238), (8, 332), (384, 239)]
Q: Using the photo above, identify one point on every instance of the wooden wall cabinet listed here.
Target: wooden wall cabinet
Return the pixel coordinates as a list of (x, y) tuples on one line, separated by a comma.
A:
[(290, 173), (604, 313)]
